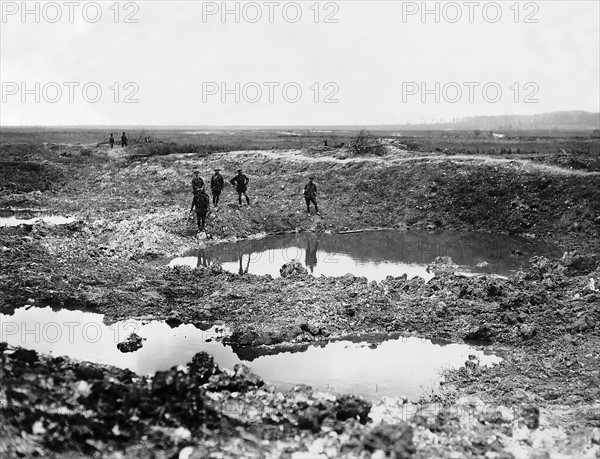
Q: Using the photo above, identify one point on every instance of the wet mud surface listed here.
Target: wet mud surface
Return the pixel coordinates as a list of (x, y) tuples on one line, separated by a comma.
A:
[(131, 213)]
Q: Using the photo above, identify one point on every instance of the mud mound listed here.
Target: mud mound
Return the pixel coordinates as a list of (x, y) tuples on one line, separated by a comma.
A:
[(26, 176), (442, 265), (26, 168), (167, 411), (131, 344), (148, 236), (293, 268), (162, 148)]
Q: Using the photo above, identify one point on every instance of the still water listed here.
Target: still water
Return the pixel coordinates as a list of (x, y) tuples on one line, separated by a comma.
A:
[(29, 217), (373, 254), (369, 366)]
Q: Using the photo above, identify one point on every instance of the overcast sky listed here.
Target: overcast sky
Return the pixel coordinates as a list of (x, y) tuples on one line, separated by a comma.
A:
[(370, 60)]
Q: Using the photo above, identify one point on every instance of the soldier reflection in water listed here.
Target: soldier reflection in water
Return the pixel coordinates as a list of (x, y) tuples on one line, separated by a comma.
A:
[(202, 260), (311, 254), (243, 271)]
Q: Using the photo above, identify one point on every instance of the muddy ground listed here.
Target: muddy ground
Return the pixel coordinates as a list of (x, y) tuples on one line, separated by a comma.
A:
[(132, 210)]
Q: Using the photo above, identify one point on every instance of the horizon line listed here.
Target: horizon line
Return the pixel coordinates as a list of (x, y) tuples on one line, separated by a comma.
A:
[(457, 122)]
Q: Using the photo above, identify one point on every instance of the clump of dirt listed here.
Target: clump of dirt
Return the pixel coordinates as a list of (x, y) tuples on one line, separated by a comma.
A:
[(441, 265), (131, 344), (293, 268)]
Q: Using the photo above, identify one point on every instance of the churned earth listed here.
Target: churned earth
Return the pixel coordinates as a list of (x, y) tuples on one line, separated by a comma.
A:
[(131, 211)]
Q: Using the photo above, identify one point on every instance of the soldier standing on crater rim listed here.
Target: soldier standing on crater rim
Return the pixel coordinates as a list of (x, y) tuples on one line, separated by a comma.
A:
[(310, 195), (200, 202), (111, 140), (241, 185), (123, 140), (197, 183), (216, 186)]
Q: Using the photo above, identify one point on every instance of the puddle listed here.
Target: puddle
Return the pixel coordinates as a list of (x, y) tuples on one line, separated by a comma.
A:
[(23, 212), (364, 366), (374, 254), (15, 218)]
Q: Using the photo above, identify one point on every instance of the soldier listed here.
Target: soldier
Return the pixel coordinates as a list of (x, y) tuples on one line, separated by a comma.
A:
[(216, 186), (200, 203), (111, 140), (241, 185), (123, 140), (310, 195), (197, 183)]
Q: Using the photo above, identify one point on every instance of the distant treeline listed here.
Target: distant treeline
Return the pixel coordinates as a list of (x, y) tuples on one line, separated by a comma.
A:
[(555, 120)]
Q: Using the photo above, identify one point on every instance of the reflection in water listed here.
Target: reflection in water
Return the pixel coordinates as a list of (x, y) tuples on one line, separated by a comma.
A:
[(374, 254), (243, 270), (202, 260), (312, 247), (400, 366)]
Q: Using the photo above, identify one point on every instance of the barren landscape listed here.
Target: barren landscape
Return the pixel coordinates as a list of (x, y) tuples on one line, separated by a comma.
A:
[(129, 215)]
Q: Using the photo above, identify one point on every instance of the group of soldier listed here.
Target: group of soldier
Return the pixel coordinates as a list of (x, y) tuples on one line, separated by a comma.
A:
[(125, 141), (201, 201), (111, 140)]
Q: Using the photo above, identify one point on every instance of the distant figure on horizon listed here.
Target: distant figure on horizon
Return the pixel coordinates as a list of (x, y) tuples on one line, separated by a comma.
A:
[(216, 186), (123, 140), (111, 140), (310, 195), (241, 185)]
